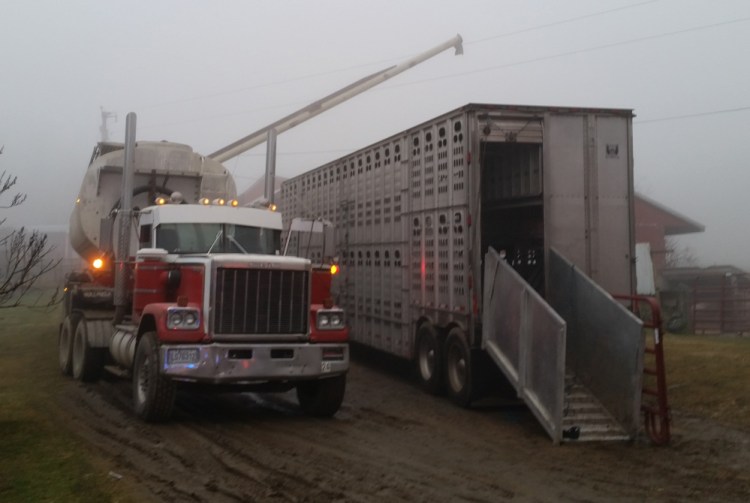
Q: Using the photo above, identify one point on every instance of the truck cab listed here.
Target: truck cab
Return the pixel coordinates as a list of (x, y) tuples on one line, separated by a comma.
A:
[(206, 297)]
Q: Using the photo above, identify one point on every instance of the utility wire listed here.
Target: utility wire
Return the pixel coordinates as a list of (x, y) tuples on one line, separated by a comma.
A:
[(574, 52), (558, 23), (497, 67), (365, 65), (690, 116)]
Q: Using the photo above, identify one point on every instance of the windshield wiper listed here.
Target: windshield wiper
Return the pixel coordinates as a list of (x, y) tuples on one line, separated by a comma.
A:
[(235, 243), (216, 240)]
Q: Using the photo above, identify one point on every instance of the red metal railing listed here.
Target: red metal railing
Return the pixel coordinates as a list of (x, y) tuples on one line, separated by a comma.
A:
[(656, 414)]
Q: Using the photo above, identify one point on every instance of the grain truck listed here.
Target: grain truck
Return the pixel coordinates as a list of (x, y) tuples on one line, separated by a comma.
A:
[(187, 288), (495, 233)]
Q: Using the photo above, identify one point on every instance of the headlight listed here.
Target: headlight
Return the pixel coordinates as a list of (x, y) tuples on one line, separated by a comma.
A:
[(330, 320), (183, 318), (175, 319)]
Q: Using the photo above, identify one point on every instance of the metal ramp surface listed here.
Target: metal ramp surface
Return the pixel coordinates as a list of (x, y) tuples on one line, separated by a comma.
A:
[(575, 361), (585, 419)]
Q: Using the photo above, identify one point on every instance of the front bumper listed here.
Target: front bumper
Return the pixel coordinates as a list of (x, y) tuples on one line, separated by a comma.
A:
[(222, 363)]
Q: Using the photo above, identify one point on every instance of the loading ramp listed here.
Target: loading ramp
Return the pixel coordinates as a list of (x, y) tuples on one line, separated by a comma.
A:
[(576, 358)]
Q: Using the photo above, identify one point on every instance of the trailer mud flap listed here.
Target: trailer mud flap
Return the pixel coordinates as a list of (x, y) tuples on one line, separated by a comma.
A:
[(526, 338)]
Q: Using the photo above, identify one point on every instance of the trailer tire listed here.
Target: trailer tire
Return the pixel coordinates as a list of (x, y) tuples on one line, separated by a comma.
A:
[(87, 362), (459, 369), (153, 394), (429, 359), (323, 397), (65, 343)]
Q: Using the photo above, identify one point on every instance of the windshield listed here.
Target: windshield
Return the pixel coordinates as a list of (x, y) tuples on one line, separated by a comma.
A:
[(217, 238)]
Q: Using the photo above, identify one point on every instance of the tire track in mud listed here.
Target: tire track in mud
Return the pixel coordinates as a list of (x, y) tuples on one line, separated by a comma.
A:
[(388, 442)]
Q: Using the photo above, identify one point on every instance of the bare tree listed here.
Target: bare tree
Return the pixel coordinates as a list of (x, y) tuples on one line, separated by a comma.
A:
[(26, 257), (679, 256)]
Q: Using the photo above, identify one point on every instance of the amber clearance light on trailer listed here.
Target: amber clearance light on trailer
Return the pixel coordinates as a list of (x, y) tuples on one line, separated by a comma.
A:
[(334, 270), (97, 263)]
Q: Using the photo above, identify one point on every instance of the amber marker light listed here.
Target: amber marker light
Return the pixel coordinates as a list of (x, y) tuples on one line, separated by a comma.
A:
[(234, 203), (272, 207), (97, 263), (334, 270), (161, 201), (205, 201)]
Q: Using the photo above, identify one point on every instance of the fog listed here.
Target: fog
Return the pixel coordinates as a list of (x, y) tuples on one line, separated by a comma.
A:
[(207, 73)]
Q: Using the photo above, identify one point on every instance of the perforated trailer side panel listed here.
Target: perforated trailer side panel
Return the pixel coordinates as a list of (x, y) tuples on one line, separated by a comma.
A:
[(400, 210)]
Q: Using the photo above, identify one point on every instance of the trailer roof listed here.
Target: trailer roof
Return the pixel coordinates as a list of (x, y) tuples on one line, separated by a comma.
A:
[(512, 111)]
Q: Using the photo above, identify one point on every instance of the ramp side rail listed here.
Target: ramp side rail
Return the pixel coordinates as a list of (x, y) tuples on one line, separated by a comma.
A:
[(526, 339)]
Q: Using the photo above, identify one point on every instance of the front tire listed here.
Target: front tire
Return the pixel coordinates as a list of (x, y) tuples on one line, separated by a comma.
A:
[(323, 397), (65, 343), (429, 359), (459, 371), (153, 394), (87, 362)]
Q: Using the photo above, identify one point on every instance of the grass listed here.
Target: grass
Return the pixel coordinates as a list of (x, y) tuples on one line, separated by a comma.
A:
[(38, 461), (709, 376)]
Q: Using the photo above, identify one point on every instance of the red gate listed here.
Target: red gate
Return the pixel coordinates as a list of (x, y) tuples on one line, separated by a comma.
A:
[(656, 414)]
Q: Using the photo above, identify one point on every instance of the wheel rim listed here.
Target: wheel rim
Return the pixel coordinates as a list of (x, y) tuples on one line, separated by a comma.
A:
[(456, 369), (427, 360), (78, 351), (143, 379), (64, 348)]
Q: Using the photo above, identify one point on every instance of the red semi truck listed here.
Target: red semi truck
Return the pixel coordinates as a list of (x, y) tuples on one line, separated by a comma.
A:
[(186, 287)]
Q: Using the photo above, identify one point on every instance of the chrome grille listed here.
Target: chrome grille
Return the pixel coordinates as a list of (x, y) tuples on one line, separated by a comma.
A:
[(261, 301)]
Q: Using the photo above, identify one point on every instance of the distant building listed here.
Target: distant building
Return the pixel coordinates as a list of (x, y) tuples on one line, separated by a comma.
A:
[(653, 223), (694, 299)]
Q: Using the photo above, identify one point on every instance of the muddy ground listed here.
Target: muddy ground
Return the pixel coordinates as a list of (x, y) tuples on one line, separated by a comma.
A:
[(389, 442)]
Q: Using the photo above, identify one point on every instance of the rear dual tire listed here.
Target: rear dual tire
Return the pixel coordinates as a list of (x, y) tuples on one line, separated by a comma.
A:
[(87, 362), (445, 364), (65, 343), (459, 369), (429, 359)]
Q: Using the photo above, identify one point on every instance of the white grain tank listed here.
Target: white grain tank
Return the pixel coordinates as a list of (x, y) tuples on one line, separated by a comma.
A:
[(161, 169)]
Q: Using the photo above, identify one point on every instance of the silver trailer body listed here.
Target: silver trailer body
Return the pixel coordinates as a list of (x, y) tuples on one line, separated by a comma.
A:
[(419, 215)]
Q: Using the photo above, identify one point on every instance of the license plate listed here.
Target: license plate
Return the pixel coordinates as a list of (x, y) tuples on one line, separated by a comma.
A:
[(182, 355)]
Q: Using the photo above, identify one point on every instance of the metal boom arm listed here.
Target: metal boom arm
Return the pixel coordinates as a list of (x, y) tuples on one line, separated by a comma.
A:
[(330, 101)]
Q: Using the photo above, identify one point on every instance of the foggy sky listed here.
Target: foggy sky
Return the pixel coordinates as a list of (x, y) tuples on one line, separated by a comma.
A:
[(207, 73)]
